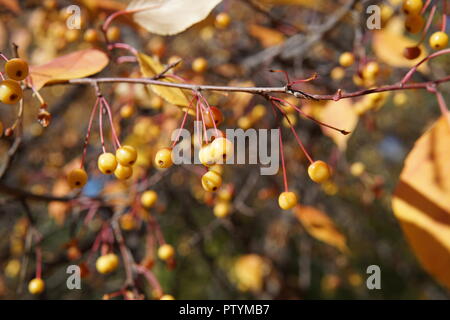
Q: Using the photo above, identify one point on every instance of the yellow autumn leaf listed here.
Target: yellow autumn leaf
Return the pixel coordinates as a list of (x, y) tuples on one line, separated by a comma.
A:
[(421, 200), (75, 65), (321, 227), (151, 67), (339, 114), (389, 44)]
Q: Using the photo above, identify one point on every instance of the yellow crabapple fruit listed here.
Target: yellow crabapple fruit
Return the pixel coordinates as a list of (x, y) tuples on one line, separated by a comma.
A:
[(166, 252), (113, 34), (222, 209), (36, 286), (107, 163), (126, 155), (211, 181), (149, 198), (287, 200), (411, 7), (319, 171), (346, 59), (123, 172), (163, 158), (16, 69), (222, 21), (107, 263), (10, 91), (438, 40), (77, 178), (200, 65), (222, 149), (206, 155)]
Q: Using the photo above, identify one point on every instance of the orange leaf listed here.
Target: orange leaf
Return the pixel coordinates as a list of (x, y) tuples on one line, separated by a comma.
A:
[(321, 227), (12, 5), (339, 114), (75, 65), (421, 200), (268, 37)]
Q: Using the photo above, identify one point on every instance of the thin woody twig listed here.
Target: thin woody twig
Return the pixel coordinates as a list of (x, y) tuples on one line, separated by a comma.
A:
[(263, 90)]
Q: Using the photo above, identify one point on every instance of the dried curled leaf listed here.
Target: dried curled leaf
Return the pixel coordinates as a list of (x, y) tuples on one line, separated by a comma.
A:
[(321, 227), (421, 200), (168, 17), (151, 67), (75, 65)]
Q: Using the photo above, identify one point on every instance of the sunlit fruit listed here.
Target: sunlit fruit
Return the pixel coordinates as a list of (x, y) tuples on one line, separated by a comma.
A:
[(107, 263), (438, 40), (36, 286), (319, 171), (287, 200), (10, 91), (166, 252), (163, 158), (149, 198), (107, 163), (211, 181), (16, 69), (77, 178), (126, 155)]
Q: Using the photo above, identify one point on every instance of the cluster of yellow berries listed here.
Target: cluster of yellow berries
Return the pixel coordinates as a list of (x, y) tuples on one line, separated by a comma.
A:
[(10, 90), (213, 155), (120, 164), (318, 171), (414, 23), (107, 263)]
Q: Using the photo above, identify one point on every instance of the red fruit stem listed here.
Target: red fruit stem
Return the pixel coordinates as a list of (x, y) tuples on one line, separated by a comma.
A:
[(210, 112), (197, 128), (344, 132), (100, 121), (38, 252), (88, 134), (444, 16), (428, 24), (286, 188), (158, 233), (125, 59), (410, 73), (113, 130), (116, 14), (299, 141), (119, 45), (425, 7), (181, 128), (152, 280)]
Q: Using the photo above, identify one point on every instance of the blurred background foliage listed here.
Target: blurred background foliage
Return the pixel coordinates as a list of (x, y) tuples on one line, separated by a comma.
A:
[(258, 251)]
